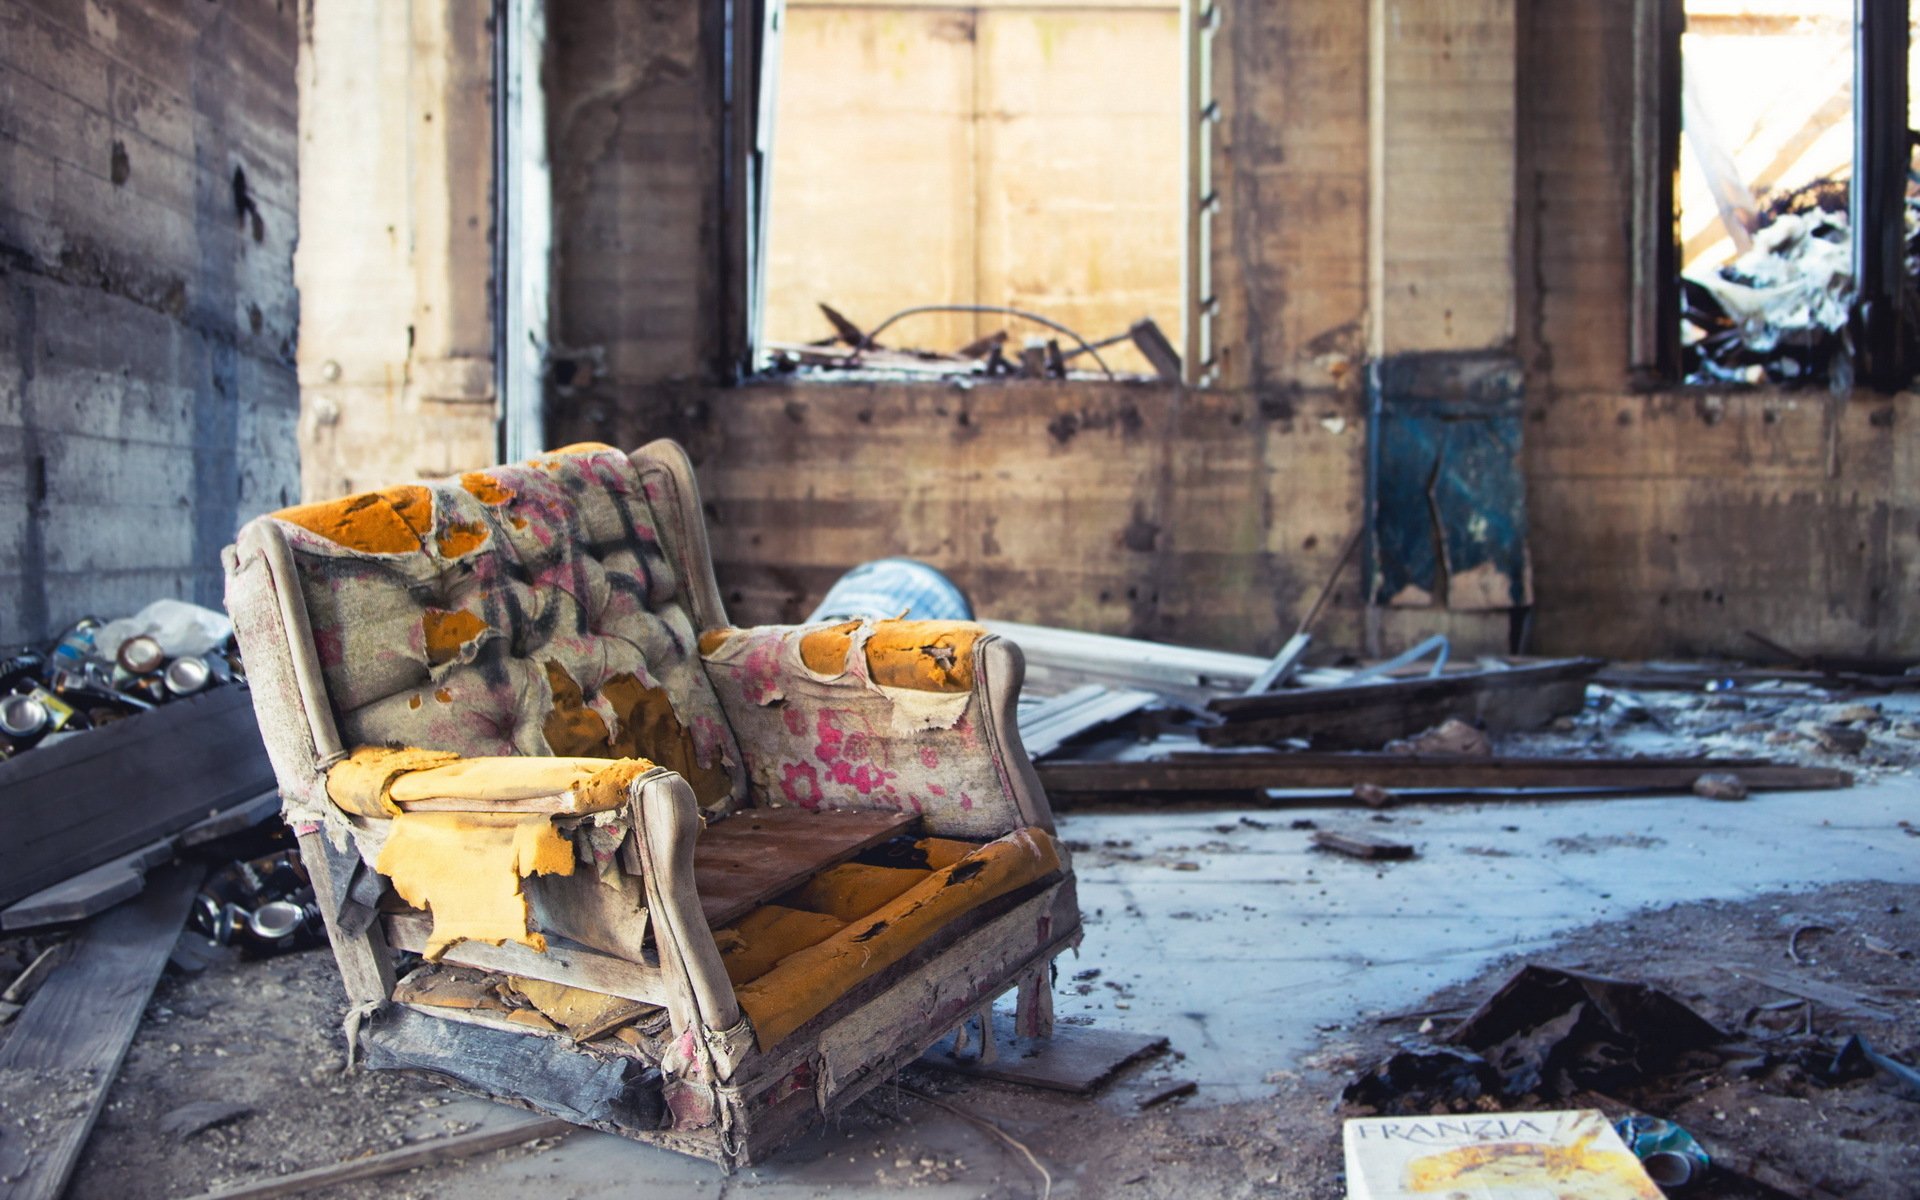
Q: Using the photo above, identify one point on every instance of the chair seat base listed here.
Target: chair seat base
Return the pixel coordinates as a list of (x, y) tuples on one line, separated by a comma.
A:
[(773, 1097)]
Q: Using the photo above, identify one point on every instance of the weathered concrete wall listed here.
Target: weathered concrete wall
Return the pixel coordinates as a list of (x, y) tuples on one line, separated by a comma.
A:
[(1662, 523), (1673, 522), (147, 308), (396, 263), (634, 125)]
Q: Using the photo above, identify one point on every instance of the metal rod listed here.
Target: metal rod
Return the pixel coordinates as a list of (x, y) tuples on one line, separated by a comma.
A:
[(866, 343)]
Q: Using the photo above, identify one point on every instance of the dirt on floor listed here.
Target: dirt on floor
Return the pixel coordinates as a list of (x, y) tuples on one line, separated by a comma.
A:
[(237, 1074)]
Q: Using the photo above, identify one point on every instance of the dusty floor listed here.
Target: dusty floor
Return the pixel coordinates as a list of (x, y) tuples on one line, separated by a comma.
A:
[(239, 1035), (1269, 966)]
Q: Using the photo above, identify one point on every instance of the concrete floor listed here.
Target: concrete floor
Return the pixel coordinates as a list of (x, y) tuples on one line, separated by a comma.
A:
[(1246, 958)]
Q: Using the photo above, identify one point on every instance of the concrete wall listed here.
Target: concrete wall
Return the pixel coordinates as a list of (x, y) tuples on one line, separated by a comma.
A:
[(147, 308), (1662, 523)]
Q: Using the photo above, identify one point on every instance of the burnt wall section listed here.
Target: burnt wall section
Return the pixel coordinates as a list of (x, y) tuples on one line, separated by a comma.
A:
[(147, 309)]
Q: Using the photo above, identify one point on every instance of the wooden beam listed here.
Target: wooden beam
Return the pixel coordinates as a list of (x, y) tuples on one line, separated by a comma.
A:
[(563, 961), (1371, 714), (90, 799), (1263, 772), (74, 1033), (407, 1158), (1361, 845)]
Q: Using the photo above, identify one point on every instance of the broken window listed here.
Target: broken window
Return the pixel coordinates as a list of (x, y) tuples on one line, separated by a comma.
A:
[(1792, 192), (976, 166)]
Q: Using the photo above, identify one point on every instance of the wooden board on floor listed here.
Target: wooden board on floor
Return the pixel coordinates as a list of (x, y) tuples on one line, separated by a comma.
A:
[(69, 1041), (392, 1162), (1077, 1058), (751, 857), (87, 893), (1221, 773), (90, 799), (1365, 715)]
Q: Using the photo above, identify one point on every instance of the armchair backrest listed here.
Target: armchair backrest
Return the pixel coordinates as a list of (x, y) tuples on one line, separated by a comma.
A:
[(550, 607)]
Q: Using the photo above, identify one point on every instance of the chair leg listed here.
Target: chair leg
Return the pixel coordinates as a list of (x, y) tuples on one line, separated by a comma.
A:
[(1033, 1010), (988, 1050)]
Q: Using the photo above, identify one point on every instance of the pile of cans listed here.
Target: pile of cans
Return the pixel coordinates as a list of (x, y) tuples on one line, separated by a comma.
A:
[(72, 686), (263, 905)]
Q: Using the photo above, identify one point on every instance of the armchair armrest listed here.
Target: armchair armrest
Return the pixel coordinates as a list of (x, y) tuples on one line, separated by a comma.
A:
[(374, 781), (916, 716), (475, 841)]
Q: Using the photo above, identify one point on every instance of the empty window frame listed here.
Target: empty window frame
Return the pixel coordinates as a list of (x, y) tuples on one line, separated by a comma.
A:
[(1772, 192), (1036, 155)]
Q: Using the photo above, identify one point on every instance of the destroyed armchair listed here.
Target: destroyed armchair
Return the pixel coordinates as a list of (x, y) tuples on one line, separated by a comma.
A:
[(509, 714)]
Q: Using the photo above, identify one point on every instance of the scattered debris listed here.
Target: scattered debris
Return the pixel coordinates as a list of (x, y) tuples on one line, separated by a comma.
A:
[(1546, 1033), (96, 673), (1362, 845), (1720, 785), (1172, 1091), (1077, 1059), (1857, 1051), (1451, 736), (1372, 795), (1368, 714), (984, 357), (201, 1115)]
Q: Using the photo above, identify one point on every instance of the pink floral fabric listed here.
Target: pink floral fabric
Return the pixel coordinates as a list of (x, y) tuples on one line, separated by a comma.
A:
[(842, 741), (555, 563)]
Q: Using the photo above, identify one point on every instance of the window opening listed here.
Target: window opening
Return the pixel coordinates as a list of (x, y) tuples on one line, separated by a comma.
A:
[(1767, 160), (943, 174)]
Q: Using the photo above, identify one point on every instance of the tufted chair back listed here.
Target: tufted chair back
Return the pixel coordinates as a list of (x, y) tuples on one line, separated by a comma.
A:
[(538, 609)]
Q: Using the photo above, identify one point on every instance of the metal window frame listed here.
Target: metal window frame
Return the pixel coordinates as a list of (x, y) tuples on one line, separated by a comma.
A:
[(522, 227)]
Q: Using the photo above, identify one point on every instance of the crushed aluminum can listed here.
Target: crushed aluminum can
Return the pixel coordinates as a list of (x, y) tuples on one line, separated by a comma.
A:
[(35, 711), (22, 715), (187, 674), (141, 655), (1669, 1153)]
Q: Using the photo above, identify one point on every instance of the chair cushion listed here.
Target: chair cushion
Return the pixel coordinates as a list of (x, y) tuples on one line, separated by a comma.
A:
[(526, 609), (804, 983)]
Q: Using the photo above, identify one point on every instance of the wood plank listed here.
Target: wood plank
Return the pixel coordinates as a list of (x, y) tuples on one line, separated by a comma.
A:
[(562, 962), (1371, 714), (1077, 1058), (1072, 656), (68, 1043), (1263, 772), (1844, 1002), (1050, 724), (90, 799), (242, 816), (87, 893), (751, 857), (1361, 845), (407, 1158)]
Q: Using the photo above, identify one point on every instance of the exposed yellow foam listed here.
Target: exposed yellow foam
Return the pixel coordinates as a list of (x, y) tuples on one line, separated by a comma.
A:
[(466, 868)]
